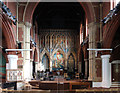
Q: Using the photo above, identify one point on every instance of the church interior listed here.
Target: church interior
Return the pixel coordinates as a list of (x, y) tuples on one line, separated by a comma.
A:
[(60, 47)]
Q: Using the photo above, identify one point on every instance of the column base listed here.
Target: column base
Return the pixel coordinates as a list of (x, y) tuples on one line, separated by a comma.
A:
[(97, 84), (101, 84), (20, 85), (106, 84), (90, 78)]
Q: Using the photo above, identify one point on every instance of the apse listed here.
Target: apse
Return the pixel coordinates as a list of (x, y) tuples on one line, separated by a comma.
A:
[(59, 34)]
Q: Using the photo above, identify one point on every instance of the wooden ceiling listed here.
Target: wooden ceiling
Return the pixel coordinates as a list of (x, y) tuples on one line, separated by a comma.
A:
[(59, 15)]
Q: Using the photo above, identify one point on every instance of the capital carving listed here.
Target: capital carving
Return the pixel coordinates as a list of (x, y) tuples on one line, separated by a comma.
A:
[(27, 24)]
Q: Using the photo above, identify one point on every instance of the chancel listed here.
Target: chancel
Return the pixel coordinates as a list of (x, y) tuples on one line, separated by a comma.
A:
[(60, 47)]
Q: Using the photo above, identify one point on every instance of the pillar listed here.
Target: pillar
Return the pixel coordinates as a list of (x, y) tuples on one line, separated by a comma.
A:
[(26, 57), (106, 71), (31, 68), (79, 67), (36, 67), (50, 65), (92, 28), (65, 63), (86, 68)]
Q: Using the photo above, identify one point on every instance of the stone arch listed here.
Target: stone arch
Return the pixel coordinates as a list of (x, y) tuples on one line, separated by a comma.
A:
[(8, 33), (89, 11), (43, 53), (87, 6), (30, 8), (71, 64), (36, 55), (110, 31), (74, 55)]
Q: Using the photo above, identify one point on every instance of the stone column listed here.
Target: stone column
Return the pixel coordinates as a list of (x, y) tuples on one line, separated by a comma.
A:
[(86, 68), (31, 68), (92, 28), (36, 67), (65, 63), (12, 61), (26, 57), (106, 71), (50, 65)]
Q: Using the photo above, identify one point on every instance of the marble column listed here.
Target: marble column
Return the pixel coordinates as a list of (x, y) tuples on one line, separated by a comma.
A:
[(26, 57), (106, 71)]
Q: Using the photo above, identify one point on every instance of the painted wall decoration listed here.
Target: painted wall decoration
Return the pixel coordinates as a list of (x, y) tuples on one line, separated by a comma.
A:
[(64, 40), (71, 63), (45, 62), (58, 61)]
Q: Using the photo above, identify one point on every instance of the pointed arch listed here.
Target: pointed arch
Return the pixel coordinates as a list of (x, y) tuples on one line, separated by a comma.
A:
[(8, 33), (43, 53), (87, 6), (110, 31), (45, 62), (71, 63)]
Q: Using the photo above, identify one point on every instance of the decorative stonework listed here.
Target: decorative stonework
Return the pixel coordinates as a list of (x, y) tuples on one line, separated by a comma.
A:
[(62, 40), (14, 75)]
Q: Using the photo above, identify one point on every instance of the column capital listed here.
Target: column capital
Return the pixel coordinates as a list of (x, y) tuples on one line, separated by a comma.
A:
[(105, 56), (36, 62), (13, 56), (92, 24), (27, 24)]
